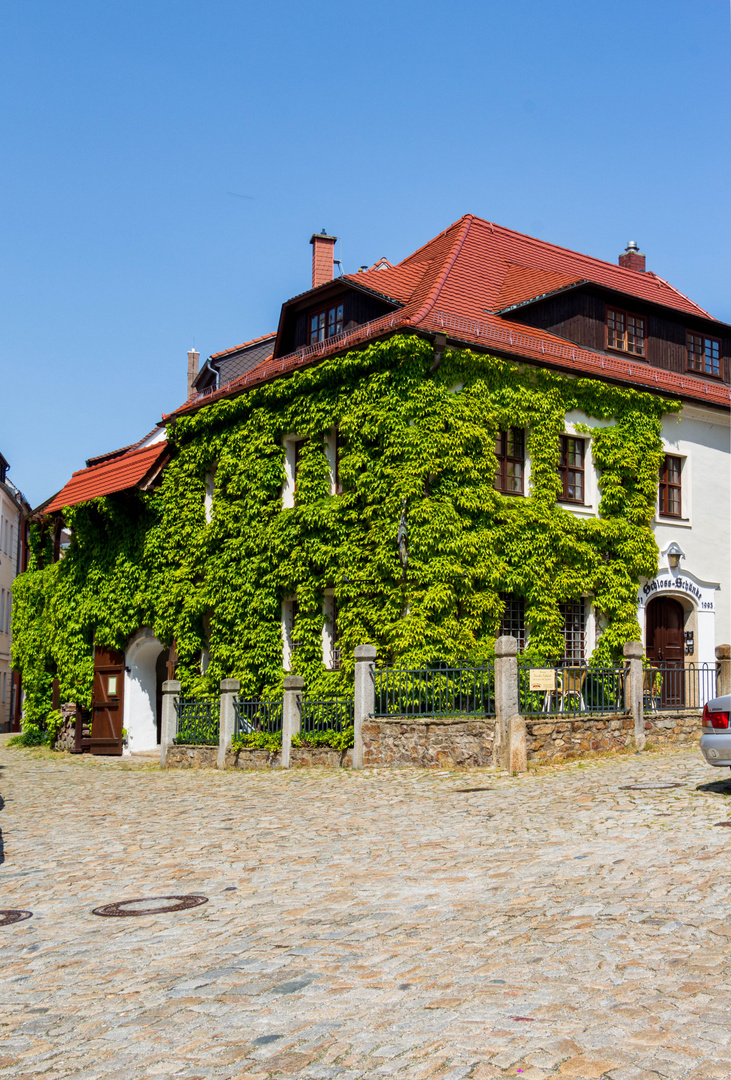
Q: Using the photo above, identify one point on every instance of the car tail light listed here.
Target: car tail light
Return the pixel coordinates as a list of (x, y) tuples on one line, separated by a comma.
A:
[(714, 719)]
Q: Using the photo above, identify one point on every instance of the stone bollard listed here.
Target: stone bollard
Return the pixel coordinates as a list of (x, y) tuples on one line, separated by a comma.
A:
[(364, 696), (723, 668), (169, 726), (506, 696), (634, 689), (291, 715), (229, 692), (517, 744)]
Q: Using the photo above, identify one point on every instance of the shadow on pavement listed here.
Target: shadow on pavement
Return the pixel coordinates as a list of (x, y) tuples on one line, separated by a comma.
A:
[(716, 787)]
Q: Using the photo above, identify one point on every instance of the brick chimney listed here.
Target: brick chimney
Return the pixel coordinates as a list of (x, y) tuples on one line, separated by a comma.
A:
[(193, 358), (632, 258), (323, 249)]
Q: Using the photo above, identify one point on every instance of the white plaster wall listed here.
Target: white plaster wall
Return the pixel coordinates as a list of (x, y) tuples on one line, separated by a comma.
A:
[(140, 689), (702, 437), (8, 563)]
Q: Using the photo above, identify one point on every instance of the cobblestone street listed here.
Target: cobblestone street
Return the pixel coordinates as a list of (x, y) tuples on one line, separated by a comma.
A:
[(400, 923)]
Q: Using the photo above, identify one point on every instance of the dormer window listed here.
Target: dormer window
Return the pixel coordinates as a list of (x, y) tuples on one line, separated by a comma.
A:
[(625, 332), (326, 324), (704, 354)]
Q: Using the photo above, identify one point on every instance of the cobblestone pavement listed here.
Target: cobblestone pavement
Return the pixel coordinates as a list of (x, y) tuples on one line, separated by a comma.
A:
[(387, 923)]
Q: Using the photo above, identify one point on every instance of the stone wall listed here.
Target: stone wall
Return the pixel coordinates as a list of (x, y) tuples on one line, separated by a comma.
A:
[(555, 738), (204, 757), (455, 742), (435, 741)]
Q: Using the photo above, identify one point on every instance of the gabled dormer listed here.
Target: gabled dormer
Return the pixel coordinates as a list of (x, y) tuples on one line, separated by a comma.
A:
[(617, 321), (333, 305)]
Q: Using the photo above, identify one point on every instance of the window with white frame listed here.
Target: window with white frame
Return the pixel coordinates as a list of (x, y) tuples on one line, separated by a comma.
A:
[(330, 632), (8, 612), (290, 615), (670, 487), (2, 610), (292, 455), (208, 495)]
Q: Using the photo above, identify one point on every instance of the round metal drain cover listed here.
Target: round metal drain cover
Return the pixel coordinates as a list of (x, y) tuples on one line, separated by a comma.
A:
[(10, 916), (649, 787), (126, 908)]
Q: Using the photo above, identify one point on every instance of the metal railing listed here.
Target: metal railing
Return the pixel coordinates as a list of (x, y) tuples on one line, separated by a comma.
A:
[(198, 722), (668, 685), (254, 715), (569, 689), (326, 714), (438, 690)]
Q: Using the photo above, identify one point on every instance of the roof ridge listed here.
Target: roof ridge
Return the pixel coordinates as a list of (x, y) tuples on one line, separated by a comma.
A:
[(433, 240), (436, 288)]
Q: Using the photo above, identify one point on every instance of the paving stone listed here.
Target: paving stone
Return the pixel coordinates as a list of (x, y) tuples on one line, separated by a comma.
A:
[(379, 923)]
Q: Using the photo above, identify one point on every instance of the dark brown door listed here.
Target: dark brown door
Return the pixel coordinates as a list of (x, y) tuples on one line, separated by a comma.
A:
[(108, 706), (665, 648)]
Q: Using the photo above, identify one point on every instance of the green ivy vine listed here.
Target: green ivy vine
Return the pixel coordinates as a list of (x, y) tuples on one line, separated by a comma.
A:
[(407, 432)]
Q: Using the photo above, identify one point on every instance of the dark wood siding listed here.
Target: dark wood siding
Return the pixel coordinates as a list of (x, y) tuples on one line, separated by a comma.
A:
[(358, 308), (579, 316)]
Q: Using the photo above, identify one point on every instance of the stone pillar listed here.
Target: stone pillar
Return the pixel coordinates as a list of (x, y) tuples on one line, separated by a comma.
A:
[(517, 744), (365, 696), (723, 668), (169, 726), (506, 696), (634, 689), (229, 692), (291, 714)]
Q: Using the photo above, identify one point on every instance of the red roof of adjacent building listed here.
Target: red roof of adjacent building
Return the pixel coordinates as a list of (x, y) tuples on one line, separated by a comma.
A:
[(117, 474), (459, 283), (243, 345)]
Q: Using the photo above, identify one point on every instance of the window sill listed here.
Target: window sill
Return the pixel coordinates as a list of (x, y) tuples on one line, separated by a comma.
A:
[(680, 523), (627, 355), (705, 374), (512, 494)]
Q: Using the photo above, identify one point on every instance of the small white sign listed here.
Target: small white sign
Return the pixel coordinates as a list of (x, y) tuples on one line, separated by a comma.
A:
[(543, 679)]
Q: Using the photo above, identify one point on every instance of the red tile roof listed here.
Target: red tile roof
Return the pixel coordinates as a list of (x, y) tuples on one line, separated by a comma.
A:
[(118, 474), (460, 280)]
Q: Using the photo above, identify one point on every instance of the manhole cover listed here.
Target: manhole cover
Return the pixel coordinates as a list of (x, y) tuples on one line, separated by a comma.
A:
[(126, 907), (649, 787), (467, 790), (10, 916)]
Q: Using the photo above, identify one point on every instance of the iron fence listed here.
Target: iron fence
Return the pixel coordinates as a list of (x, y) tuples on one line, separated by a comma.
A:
[(254, 715), (326, 714), (198, 722), (675, 685), (570, 689), (437, 690)]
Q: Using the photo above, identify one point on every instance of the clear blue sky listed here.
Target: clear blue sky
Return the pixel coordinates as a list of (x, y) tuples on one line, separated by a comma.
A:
[(126, 126)]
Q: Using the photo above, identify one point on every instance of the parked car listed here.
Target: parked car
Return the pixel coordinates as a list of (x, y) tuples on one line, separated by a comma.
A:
[(716, 737)]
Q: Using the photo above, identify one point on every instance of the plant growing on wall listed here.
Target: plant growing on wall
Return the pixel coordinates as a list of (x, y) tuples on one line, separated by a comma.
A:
[(406, 433)]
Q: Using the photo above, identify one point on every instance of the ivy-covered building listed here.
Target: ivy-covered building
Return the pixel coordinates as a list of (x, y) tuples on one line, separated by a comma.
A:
[(493, 435)]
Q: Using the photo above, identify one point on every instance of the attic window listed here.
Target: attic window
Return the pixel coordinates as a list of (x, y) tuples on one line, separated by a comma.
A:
[(625, 332), (704, 354), (325, 324)]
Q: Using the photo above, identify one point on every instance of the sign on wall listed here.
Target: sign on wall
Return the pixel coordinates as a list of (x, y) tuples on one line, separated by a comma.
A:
[(542, 679)]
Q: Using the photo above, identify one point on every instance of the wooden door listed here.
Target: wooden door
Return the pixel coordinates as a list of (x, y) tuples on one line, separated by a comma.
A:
[(108, 706), (665, 647)]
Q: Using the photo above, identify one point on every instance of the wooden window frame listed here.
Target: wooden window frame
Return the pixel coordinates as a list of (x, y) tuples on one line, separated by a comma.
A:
[(626, 315), (667, 487), (324, 323), (565, 469), (705, 369), (504, 460)]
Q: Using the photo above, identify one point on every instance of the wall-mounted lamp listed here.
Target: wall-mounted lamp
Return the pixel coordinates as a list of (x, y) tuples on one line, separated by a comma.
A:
[(674, 555)]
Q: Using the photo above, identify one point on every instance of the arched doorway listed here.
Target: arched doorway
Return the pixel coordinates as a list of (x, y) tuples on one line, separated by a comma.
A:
[(665, 648), (145, 672)]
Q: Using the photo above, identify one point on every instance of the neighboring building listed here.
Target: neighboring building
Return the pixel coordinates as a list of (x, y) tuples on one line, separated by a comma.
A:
[(12, 509), (262, 511)]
